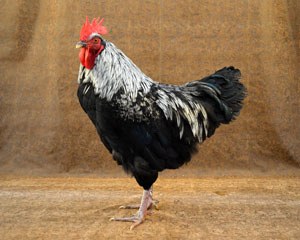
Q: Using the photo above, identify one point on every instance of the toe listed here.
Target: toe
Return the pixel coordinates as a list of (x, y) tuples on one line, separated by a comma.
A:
[(136, 223), (129, 207)]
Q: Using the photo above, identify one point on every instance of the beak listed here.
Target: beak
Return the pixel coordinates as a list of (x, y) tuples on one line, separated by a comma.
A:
[(80, 44)]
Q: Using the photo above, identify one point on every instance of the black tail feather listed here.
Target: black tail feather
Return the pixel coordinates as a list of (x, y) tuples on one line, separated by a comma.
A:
[(231, 92)]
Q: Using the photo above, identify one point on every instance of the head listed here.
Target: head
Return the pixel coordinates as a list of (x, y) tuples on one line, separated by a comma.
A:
[(91, 43)]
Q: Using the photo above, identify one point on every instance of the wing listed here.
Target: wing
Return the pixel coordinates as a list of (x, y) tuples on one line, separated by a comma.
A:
[(154, 146), (141, 136)]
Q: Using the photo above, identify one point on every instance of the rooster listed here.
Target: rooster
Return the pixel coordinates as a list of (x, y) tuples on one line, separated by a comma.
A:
[(149, 126)]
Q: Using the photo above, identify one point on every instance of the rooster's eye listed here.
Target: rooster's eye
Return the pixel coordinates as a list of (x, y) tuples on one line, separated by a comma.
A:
[(96, 40)]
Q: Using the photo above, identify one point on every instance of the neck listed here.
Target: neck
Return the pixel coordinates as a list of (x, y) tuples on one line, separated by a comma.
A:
[(114, 71)]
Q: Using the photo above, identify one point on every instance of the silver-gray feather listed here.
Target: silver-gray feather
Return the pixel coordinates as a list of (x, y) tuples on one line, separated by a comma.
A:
[(183, 107)]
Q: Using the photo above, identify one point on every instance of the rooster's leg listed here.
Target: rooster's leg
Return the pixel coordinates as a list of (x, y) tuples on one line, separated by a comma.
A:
[(151, 203), (137, 219)]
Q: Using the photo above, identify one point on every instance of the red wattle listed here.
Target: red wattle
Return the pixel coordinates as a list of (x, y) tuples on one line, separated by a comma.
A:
[(89, 59), (88, 56)]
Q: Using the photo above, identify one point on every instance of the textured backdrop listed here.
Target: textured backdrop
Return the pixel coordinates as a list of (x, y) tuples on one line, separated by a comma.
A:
[(44, 130)]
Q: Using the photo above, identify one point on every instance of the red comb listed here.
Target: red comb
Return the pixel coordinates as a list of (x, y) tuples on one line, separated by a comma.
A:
[(94, 27)]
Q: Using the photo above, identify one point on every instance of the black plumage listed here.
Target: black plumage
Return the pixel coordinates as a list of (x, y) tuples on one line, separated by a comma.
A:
[(146, 147)]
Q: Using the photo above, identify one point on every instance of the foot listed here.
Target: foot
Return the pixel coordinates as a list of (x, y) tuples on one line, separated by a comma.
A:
[(137, 219), (146, 203)]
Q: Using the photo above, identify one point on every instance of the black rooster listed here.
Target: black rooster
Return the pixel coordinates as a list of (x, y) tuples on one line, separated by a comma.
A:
[(148, 126)]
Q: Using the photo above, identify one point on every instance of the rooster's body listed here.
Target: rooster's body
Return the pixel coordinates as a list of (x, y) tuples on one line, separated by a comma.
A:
[(148, 126)]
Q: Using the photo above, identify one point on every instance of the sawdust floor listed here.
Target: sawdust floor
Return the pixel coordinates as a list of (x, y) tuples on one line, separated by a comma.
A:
[(198, 208)]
